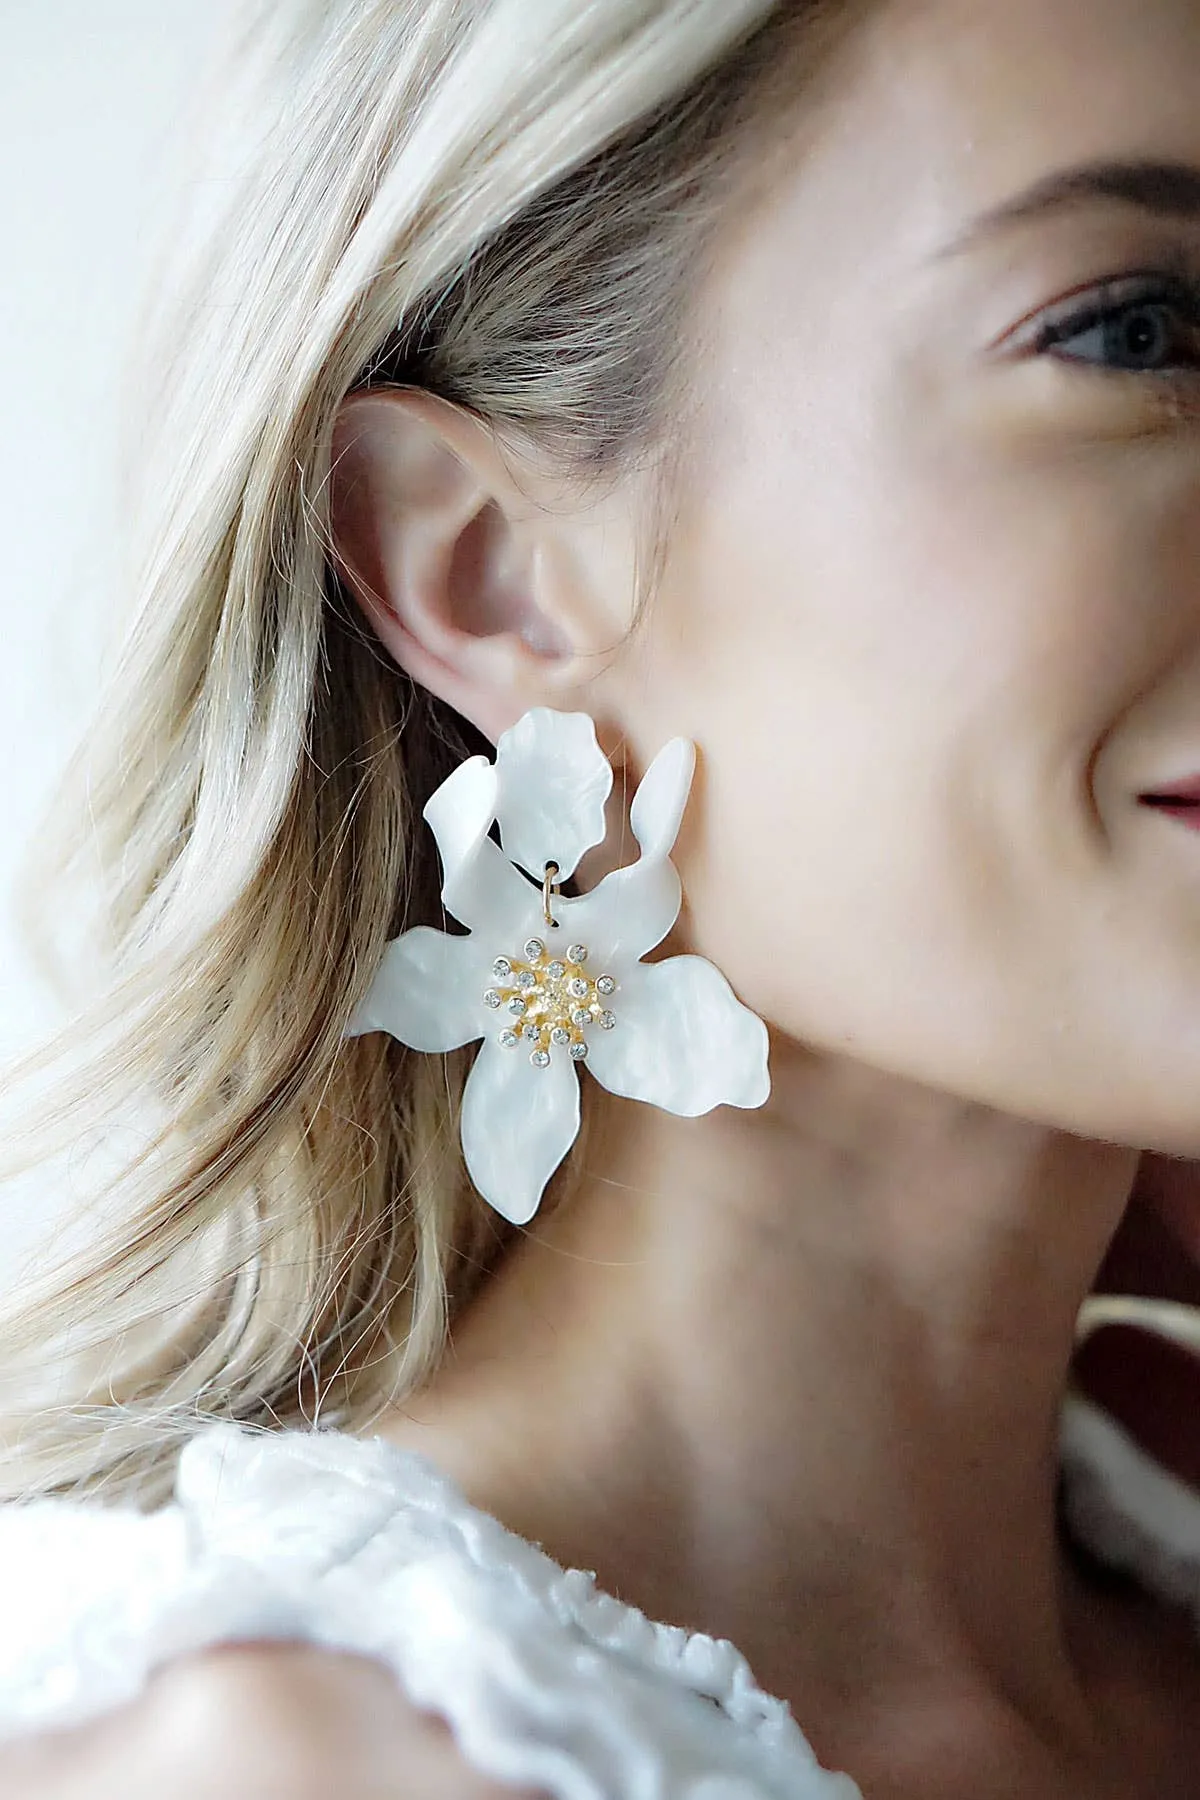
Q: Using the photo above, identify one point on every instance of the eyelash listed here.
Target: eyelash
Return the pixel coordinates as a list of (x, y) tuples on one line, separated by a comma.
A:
[(1175, 300)]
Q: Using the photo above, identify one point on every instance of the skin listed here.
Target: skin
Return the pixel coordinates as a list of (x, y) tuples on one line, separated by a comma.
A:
[(962, 571), (930, 612)]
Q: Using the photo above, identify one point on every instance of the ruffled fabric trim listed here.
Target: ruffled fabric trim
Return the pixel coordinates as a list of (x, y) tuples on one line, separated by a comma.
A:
[(546, 1681)]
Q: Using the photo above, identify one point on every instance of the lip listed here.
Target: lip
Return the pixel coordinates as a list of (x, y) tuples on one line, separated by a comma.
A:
[(1186, 790), (1184, 812), (1179, 800)]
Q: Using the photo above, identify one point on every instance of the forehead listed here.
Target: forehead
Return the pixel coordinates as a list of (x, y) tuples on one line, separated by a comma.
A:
[(984, 97), (828, 303), (937, 110)]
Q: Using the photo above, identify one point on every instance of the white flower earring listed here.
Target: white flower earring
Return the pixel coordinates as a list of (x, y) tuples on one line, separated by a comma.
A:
[(551, 983)]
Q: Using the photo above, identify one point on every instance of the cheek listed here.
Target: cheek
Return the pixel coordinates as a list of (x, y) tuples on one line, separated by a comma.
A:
[(898, 687)]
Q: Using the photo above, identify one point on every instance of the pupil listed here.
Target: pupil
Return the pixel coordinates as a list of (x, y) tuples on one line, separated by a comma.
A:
[(1144, 338)]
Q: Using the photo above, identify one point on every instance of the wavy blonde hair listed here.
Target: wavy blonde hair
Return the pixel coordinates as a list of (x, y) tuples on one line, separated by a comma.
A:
[(501, 201)]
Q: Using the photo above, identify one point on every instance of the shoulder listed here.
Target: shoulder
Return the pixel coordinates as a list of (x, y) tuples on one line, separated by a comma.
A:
[(265, 1628), (317, 1604), (321, 1723), (303, 1537), (253, 1719)]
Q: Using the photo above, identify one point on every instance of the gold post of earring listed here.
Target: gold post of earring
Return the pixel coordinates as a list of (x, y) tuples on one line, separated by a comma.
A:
[(548, 887)]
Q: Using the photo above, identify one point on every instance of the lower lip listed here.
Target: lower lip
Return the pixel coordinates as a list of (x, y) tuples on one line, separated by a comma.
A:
[(1188, 815)]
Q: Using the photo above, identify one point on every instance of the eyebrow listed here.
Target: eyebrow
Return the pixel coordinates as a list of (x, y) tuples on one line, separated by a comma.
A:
[(1170, 190)]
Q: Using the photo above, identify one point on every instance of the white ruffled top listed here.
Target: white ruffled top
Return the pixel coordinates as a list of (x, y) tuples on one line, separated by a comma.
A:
[(546, 1681)]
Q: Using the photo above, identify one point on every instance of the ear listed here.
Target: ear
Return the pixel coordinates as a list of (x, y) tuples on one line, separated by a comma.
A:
[(469, 583)]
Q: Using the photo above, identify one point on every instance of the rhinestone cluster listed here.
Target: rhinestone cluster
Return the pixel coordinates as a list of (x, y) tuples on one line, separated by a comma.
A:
[(550, 1001)]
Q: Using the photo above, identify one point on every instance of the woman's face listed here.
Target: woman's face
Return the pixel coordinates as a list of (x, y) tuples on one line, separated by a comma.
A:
[(932, 607)]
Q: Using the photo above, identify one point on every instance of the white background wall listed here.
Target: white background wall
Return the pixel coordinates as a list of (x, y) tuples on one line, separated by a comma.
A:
[(91, 170)]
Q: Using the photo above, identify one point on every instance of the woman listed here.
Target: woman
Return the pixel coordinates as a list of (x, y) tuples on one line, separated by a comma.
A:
[(818, 385)]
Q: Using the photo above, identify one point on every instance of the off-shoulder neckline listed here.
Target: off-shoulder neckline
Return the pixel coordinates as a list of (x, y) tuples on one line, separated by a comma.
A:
[(712, 1667)]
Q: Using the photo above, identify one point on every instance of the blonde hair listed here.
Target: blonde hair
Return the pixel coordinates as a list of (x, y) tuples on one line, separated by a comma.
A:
[(502, 203)]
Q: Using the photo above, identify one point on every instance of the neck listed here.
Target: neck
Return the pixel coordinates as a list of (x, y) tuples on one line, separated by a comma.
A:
[(794, 1378)]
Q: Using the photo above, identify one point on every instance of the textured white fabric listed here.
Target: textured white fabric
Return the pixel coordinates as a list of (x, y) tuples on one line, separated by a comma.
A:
[(356, 1546), (1130, 1512), (546, 1681)]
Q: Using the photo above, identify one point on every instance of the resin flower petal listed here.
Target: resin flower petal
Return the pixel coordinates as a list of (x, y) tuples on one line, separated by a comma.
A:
[(631, 911), (683, 1041), (480, 887), (549, 996), (552, 783), (427, 993), (628, 913), (658, 805), (518, 1123)]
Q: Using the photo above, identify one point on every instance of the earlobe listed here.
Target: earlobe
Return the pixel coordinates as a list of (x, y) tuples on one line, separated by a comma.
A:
[(433, 538)]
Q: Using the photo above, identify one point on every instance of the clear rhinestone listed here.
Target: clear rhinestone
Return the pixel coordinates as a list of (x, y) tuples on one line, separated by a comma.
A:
[(581, 1016), (509, 1040), (516, 1006), (606, 985), (577, 954), (560, 1035), (493, 999), (606, 1021), (556, 971), (526, 980), (533, 949), (578, 988), (579, 1052), (540, 1059), (533, 1034), (502, 968)]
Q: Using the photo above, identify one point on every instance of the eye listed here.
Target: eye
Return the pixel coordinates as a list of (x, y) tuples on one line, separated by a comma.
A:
[(1138, 328)]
